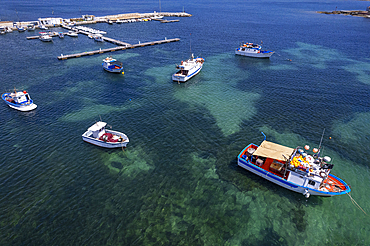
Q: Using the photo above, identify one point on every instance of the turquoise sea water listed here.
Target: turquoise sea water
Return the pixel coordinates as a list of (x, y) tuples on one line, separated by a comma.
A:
[(177, 182)]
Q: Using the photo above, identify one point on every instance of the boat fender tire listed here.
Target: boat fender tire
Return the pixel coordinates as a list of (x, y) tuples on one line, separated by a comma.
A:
[(322, 174)]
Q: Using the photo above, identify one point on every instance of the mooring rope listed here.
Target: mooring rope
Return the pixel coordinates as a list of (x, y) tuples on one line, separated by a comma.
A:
[(355, 203)]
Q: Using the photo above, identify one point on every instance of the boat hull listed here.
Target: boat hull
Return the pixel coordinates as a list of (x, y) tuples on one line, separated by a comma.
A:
[(21, 107), (104, 144), (266, 54), (46, 39), (246, 164), (114, 70), (182, 78)]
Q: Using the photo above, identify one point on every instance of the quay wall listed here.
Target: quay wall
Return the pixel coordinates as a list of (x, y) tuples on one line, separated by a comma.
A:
[(100, 19)]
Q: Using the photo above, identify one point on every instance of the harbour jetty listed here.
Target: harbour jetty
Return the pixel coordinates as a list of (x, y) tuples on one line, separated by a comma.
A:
[(101, 51), (91, 19), (74, 25), (360, 13), (121, 45)]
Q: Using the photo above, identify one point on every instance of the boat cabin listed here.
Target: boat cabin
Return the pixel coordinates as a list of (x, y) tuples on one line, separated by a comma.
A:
[(20, 97), (97, 130)]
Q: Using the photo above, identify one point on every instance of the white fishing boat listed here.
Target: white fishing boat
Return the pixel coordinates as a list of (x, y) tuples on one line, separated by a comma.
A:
[(42, 27), (72, 34), (293, 168), (8, 29), (188, 69), (98, 38), (2, 29), (44, 37), (98, 135), (253, 50), (19, 100), (31, 27), (61, 35)]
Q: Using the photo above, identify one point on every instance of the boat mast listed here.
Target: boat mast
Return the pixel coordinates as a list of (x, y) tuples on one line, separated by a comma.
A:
[(322, 136)]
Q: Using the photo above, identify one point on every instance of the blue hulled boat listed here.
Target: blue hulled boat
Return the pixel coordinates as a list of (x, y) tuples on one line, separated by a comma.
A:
[(253, 50), (294, 169), (20, 100), (112, 65)]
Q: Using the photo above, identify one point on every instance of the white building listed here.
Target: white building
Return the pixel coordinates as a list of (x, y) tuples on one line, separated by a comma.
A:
[(50, 21)]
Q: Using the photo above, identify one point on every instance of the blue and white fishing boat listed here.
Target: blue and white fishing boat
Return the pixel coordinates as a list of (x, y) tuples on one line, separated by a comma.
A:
[(20, 100), (31, 27), (293, 168), (253, 50), (21, 29), (98, 135), (61, 35), (188, 69), (112, 65)]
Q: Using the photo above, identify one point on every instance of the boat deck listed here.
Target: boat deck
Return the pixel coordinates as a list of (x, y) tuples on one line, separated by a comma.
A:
[(269, 164)]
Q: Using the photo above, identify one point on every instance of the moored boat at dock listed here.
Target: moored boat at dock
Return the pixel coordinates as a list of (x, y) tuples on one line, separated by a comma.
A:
[(253, 50), (293, 168), (112, 65), (45, 37), (188, 69), (31, 27), (19, 100), (98, 38), (72, 34), (98, 135), (42, 27), (21, 29)]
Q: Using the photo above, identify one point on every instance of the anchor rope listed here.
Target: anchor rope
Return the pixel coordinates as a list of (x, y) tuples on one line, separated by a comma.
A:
[(355, 203)]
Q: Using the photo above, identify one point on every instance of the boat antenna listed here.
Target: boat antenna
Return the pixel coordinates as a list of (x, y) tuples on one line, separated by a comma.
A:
[(190, 44), (322, 136), (264, 136)]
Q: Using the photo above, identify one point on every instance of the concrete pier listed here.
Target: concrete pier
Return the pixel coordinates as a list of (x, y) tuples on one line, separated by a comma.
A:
[(57, 22), (100, 51)]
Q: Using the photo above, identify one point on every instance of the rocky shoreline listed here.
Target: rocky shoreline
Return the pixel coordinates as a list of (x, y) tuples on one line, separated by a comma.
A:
[(360, 13)]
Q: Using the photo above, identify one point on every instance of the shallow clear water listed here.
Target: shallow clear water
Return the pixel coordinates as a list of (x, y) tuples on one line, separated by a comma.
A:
[(177, 182)]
